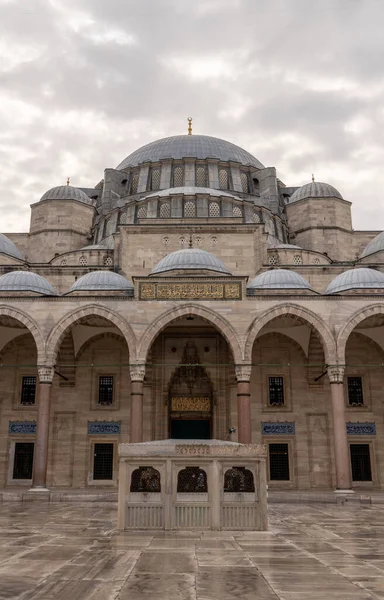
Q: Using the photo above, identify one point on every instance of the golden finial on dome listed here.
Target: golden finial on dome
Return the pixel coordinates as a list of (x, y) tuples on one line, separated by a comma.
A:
[(313, 178), (189, 125), (68, 181)]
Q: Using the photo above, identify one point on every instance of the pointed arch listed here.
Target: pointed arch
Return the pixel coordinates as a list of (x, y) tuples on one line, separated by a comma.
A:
[(58, 332), (357, 317), (32, 327), (216, 320), (324, 332)]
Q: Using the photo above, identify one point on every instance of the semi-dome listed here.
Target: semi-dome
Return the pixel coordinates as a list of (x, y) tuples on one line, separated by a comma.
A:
[(374, 245), (106, 281), (26, 281), (190, 259), (8, 247), (190, 146), (277, 279), (360, 278), (67, 192), (315, 189), (190, 191)]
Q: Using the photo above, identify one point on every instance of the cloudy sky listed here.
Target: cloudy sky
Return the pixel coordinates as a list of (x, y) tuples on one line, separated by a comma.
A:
[(299, 84)]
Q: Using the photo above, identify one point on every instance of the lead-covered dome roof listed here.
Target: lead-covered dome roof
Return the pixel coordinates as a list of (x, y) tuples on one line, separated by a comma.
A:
[(190, 258), (8, 247), (190, 146), (374, 245), (67, 192), (106, 281), (360, 278), (277, 279), (26, 281), (315, 189)]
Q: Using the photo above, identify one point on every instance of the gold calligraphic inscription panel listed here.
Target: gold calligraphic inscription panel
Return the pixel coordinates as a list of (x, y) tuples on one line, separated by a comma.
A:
[(180, 404), (190, 291)]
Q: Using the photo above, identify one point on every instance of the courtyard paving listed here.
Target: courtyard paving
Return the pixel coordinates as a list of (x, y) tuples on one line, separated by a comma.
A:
[(73, 552)]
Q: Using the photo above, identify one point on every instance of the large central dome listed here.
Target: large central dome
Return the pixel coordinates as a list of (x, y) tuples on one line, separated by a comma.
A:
[(190, 146)]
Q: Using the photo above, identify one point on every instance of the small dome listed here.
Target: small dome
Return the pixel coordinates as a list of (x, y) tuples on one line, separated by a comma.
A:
[(26, 281), (315, 189), (67, 192), (190, 191), (374, 245), (190, 258), (278, 279), (190, 146), (360, 278), (8, 247), (106, 281)]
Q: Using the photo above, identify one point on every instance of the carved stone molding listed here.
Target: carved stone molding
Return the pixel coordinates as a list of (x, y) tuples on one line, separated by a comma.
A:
[(243, 372), (336, 373), (137, 372), (46, 374)]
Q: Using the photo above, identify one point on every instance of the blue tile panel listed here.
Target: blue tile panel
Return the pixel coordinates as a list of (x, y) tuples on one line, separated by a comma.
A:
[(361, 428), (278, 428), (103, 427), (20, 427)]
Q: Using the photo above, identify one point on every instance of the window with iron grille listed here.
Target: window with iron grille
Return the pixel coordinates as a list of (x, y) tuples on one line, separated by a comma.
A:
[(360, 462), (239, 479), (214, 209), (165, 210), (255, 218), (142, 212), (237, 212), (276, 391), (105, 390), (278, 462), (134, 183), (28, 391), (23, 460), (297, 260), (223, 179), (178, 177), (355, 391), (155, 179), (145, 479), (273, 259), (201, 176), (103, 461), (189, 210), (244, 182), (192, 480), (123, 218)]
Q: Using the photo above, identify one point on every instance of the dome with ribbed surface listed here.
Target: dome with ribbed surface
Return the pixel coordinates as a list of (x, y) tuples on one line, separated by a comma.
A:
[(26, 281), (8, 247), (106, 281), (315, 189), (360, 278), (190, 258), (374, 245), (67, 192), (190, 146), (278, 279)]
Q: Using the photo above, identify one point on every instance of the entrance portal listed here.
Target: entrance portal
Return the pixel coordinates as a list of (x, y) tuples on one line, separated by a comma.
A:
[(190, 429)]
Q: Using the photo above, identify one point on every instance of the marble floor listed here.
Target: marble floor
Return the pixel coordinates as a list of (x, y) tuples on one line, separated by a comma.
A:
[(73, 552)]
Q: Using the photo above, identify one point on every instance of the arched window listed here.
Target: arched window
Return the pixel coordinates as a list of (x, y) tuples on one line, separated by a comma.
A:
[(214, 209), (201, 176), (109, 227), (223, 179), (178, 177), (255, 218), (297, 260), (273, 259), (145, 479), (83, 261), (256, 185), (239, 479), (236, 211), (108, 261), (142, 212), (244, 182), (134, 183), (165, 210), (189, 210), (155, 179), (123, 218), (192, 480)]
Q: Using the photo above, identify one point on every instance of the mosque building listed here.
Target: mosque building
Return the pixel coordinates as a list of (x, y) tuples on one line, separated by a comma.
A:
[(191, 294)]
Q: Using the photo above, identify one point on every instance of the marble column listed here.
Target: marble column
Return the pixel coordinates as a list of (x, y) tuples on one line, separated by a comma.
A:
[(244, 423), (342, 460), (40, 462), (137, 393)]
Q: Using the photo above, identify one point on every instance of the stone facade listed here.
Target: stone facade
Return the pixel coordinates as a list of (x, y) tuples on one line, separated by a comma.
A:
[(207, 354)]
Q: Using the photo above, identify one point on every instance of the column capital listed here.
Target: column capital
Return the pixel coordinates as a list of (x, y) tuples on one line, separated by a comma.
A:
[(336, 373), (137, 372), (243, 372), (46, 374)]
